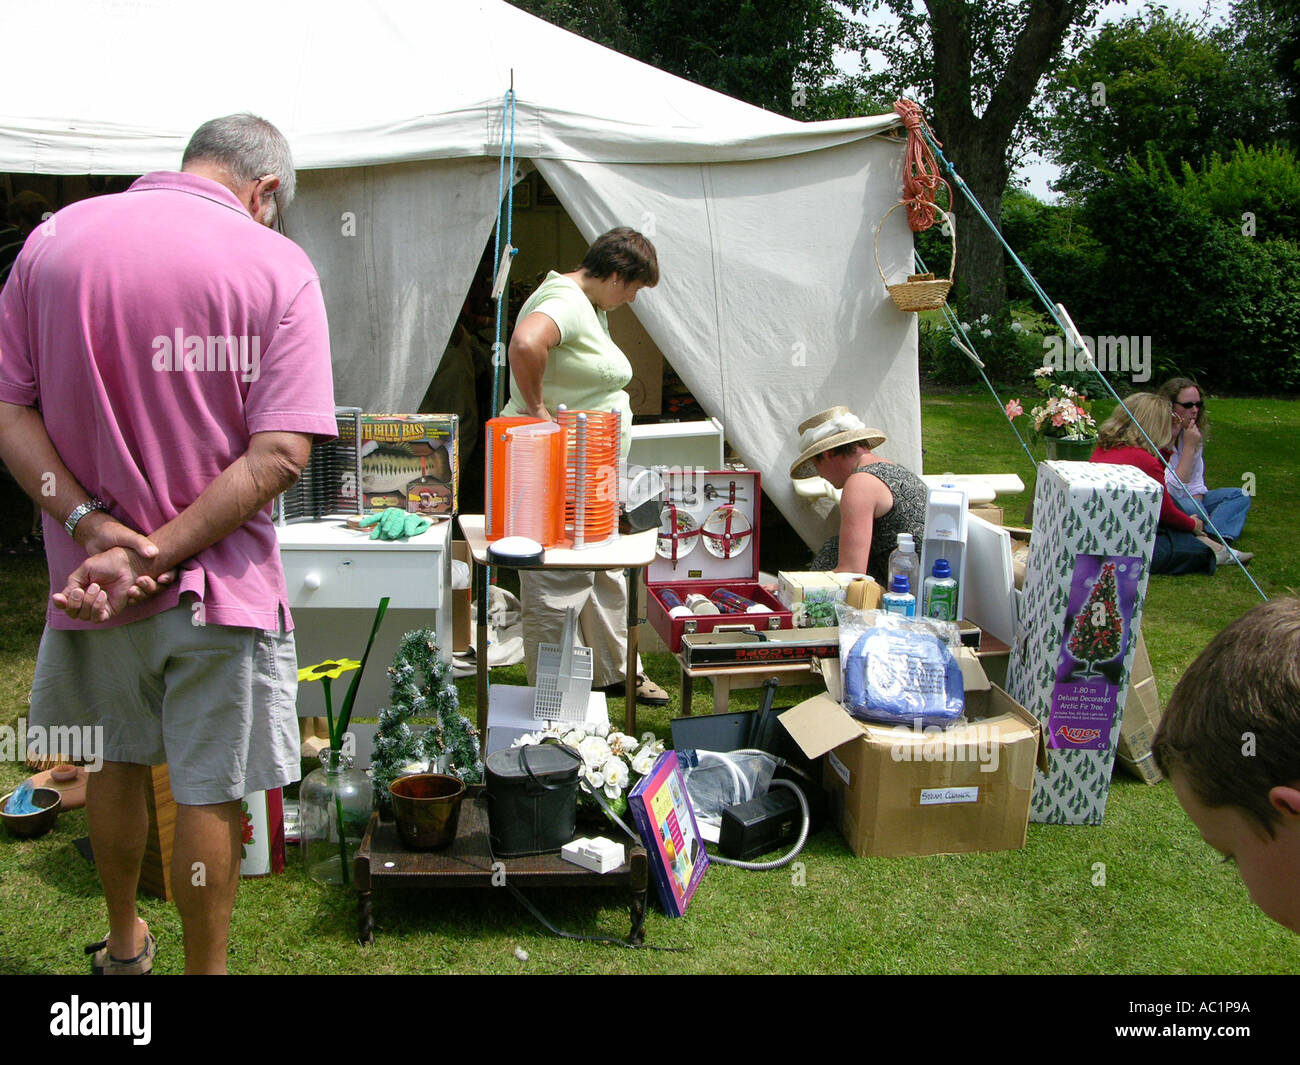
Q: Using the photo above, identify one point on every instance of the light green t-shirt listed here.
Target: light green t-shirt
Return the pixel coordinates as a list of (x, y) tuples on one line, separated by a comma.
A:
[(586, 370)]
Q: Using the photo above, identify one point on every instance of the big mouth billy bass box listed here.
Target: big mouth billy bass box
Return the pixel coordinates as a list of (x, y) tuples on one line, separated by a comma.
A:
[(708, 546), (409, 461)]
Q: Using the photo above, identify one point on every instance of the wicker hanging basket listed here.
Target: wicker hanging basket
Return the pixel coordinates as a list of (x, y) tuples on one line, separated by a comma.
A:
[(920, 292)]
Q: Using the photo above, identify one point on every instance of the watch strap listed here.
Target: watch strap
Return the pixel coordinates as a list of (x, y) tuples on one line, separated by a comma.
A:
[(81, 511)]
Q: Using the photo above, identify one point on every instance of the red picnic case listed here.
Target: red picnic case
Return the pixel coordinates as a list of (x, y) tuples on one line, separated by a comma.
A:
[(708, 540)]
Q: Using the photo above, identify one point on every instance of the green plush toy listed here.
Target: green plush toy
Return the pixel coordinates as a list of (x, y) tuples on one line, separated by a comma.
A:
[(394, 524)]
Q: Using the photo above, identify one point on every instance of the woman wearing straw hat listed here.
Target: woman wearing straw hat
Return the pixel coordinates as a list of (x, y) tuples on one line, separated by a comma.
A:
[(879, 498)]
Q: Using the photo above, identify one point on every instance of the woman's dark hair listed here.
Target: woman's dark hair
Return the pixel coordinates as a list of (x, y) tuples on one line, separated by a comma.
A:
[(625, 252), (1174, 385)]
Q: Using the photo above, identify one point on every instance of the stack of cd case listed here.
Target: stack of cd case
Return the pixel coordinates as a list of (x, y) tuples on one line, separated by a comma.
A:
[(330, 484)]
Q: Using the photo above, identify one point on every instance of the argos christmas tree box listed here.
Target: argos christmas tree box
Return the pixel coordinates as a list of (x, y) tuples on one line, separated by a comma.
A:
[(1079, 618), (901, 792)]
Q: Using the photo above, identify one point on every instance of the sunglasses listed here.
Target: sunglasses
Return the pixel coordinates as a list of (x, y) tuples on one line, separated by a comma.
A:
[(1189, 406)]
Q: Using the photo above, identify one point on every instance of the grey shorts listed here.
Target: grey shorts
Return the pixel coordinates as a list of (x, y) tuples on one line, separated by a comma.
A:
[(216, 703)]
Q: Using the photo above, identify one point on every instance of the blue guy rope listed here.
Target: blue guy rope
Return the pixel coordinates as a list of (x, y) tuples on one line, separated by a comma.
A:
[(1068, 329), (505, 207), (967, 346)]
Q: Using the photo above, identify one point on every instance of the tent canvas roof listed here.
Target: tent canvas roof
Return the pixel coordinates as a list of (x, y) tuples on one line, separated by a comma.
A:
[(770, 305), (118, 86)]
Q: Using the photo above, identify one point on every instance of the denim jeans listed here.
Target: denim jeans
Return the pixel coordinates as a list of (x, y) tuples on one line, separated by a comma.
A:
[(1227, 508), (1180, 552)]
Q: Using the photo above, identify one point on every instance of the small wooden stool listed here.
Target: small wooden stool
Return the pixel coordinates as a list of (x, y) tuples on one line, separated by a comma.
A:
[(727, 678)]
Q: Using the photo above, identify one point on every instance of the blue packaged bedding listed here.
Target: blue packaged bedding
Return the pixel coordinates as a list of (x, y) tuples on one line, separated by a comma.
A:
[(902, 677)]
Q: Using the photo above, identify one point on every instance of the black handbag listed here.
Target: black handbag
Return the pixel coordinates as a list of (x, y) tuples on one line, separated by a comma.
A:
[(532, 798)]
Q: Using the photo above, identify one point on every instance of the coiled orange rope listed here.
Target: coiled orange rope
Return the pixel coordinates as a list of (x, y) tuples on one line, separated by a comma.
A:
[(920, 170)]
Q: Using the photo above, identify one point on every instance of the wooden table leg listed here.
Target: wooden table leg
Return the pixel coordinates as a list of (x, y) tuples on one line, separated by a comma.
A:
[(721, 694), (481, 654), (365, 923), (688, 689), (629, 682), (639, 881)]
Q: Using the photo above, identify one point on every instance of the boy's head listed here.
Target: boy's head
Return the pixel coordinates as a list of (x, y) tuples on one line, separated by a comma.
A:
[(1230, 744)]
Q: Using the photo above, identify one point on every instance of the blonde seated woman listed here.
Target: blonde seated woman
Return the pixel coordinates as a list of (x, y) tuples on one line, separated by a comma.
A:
[(1181, 544)]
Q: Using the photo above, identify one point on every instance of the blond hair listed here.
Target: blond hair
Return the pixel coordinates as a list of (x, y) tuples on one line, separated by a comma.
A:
[(1146, 410)]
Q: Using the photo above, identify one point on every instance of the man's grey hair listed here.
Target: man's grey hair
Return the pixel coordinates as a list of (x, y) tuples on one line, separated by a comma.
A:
[(248, 148)]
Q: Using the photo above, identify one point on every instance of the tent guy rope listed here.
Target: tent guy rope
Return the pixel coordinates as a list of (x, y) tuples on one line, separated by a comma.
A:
[(1058, 313)]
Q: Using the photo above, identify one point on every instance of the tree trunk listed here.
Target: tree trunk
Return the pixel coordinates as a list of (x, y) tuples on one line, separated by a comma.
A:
[(981, 284)]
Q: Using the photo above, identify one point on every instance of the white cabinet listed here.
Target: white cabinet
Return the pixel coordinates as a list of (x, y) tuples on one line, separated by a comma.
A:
[(335, 578)]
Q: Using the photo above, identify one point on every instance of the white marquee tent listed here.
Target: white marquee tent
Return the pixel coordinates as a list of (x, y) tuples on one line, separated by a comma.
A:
[(770, 306)]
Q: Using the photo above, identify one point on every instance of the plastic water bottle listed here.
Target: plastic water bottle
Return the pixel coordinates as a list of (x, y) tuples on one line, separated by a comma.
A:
[(904, 560), (899, 599), (940, 594)]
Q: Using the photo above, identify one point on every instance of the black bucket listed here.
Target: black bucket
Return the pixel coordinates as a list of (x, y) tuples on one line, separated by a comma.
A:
[(532, 797)]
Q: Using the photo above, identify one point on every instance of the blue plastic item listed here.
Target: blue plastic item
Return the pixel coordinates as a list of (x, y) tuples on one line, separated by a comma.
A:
[(896, 677), (20, 802)]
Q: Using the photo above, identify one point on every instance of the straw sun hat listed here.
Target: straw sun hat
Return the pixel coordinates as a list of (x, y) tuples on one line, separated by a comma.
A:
[(830, 429)]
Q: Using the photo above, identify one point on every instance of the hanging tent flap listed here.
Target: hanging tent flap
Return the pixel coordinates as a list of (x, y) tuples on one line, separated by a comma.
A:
[(769, 305)]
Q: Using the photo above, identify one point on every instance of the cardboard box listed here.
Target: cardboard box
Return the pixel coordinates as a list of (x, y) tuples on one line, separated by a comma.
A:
[(901, 792), (811, 597), (989, 512), (1079, 615), (1141, 719), (415, 465)]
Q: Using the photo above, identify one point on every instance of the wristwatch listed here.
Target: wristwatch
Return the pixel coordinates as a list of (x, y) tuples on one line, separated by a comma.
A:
[(80, 512)]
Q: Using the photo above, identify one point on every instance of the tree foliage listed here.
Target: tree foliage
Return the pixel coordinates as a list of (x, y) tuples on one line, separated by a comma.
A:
[(1157, 82), (1256, 189), (777, 56), (976, 69), (1218, 303), (1269, 30)]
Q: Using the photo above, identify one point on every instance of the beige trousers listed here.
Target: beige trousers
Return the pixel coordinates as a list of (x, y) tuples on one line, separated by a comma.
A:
[(599, 597)]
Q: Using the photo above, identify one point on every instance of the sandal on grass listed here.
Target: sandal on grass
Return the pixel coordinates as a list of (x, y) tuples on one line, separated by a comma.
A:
[(104, 964)]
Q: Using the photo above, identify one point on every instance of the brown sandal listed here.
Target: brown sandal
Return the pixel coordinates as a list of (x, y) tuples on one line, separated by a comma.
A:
[(104, 964)]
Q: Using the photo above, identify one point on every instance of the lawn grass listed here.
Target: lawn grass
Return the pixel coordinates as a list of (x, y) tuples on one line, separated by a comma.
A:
[(1167, 905)]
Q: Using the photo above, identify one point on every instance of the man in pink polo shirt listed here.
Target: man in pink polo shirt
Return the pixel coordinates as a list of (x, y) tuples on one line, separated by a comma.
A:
[(164, 366)]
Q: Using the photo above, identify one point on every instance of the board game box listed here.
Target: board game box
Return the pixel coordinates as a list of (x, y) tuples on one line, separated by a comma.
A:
[(664, 817)]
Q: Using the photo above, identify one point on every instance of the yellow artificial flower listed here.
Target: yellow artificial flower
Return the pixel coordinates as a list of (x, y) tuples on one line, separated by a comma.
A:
[(332, 669)]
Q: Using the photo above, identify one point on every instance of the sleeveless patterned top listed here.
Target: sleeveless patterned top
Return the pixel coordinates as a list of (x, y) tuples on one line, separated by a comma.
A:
[(907, 515)]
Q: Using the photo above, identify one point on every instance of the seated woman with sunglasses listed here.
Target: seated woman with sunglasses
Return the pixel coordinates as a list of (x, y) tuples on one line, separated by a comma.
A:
[(1126, 439), (1226, 507)]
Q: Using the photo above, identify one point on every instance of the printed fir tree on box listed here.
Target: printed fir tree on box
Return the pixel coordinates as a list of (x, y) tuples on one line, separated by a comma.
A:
[(1099, 626)]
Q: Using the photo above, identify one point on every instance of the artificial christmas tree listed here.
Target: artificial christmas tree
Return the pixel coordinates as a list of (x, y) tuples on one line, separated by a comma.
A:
[(1099, 626), (421, 686)]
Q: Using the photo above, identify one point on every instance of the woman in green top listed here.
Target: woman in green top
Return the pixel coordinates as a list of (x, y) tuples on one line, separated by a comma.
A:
[(561, 353)]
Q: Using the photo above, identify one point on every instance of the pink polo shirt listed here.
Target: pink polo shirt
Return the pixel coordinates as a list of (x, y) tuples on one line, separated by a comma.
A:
[(156, 331)]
